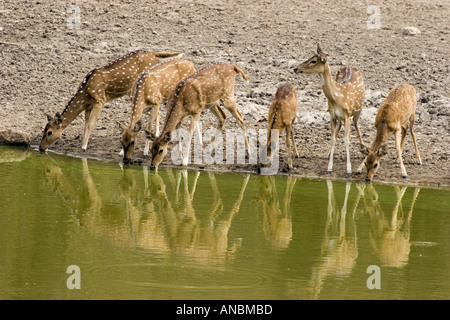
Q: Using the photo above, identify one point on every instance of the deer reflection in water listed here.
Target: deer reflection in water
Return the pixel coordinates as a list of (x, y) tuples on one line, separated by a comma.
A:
[(339, 248), (157, 215), (277, 218), (390, 237)]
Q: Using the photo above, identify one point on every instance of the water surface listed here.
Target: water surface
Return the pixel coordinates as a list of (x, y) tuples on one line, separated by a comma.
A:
[(183, 234)]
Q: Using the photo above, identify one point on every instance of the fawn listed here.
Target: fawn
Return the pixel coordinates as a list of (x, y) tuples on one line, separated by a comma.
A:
[(282, 113), (395, 115)]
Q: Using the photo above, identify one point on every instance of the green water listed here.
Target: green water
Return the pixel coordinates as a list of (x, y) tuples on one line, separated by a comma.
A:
[(182, 234)]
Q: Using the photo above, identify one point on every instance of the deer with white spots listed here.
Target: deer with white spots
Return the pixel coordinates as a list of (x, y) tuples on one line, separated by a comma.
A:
[(205, 89), (101, 85), (395, 116), (282, 113), (345, 98), (152, 89)]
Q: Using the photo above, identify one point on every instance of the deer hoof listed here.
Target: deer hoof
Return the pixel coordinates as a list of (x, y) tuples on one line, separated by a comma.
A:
[(405, 177)]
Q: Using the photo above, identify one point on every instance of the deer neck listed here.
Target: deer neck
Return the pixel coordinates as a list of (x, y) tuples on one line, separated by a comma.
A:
[(76, 105), (381, 137), (136, 114), (329, 86), (173, 118)]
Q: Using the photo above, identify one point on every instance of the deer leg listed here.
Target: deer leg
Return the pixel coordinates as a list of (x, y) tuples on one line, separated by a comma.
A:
[(398, 147), (402, 142), (87, 115), (90, 116), (413, 134), (199, 132), (194, 123), (288, 145), (347, 145), (360, 168), (293, 141), (154, 116), (358, 132), (180, 149), (230, 104), (334, 131), (221, 116)]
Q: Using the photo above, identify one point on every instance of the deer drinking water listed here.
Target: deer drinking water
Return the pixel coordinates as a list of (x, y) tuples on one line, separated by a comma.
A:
[(345, 98), (203, 90), (101, 85), (282, 113), (152, 89), (395, 115)]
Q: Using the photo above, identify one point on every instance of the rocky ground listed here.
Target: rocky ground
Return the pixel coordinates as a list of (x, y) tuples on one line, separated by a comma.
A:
[(43, 61)]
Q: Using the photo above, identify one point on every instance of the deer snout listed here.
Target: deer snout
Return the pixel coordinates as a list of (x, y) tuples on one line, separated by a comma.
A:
[(296, 70), (152, 167), (126, 161), (367, 179)]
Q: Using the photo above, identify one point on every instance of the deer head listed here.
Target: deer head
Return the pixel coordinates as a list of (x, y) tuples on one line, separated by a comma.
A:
[(52, 132), (159, 147), (372, 161), (315, 64), (128, 140)]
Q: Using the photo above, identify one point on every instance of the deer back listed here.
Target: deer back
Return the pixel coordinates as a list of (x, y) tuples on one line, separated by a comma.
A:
[(283, 109), (351, 86), (397, 109)]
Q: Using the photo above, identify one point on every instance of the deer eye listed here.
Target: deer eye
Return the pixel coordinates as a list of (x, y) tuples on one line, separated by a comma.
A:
[(160, 151), (49, 133), (132, 143), (313, 62), (375, 165)]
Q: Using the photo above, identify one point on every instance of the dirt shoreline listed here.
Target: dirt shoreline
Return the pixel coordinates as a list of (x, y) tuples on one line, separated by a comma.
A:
[(44, 61)]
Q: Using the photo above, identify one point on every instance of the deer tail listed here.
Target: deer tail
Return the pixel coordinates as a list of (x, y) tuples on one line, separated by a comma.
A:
[(239, 70), (168, 54)]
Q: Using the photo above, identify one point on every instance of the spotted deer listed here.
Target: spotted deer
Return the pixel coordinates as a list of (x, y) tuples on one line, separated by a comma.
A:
[(282, 113), (152, 89), (101, 85), (345, 97), (395, 116), (205, 89)]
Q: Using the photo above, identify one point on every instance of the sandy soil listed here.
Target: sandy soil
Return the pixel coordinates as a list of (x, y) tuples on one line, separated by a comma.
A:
[(43, 62)]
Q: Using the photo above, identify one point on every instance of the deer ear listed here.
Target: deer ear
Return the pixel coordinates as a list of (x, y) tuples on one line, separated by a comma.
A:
[(122, 127), (150, 136), (167, 137), (365, 150), (49, 117), (138, 126), (382, 151), (57, 118), (319, 50)]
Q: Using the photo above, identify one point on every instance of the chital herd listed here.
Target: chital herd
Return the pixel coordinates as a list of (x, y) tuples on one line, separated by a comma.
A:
[(188, 92)]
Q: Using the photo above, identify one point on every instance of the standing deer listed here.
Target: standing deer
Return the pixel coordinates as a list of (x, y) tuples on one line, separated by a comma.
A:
[(282, 113), (395, 115), (345, 98), (152, 89), (205, 89), (101, 85)]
